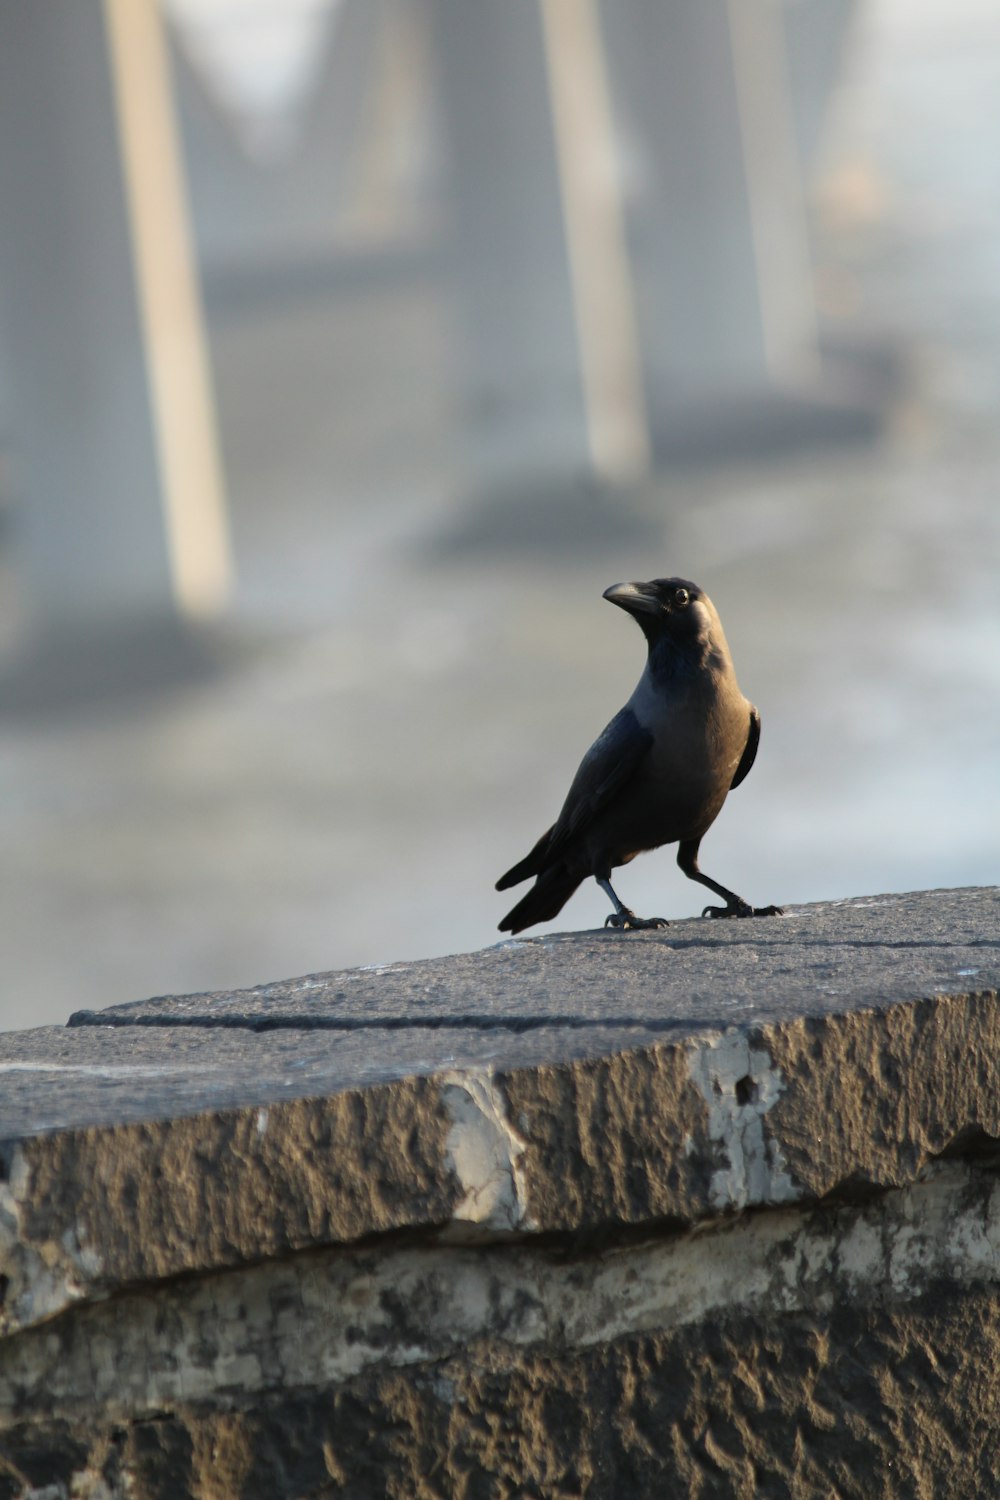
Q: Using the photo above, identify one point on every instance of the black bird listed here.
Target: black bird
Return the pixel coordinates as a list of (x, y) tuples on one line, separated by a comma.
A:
[(659, 773)]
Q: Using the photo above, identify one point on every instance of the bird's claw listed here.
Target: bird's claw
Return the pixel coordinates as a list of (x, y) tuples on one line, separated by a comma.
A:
[(743, 909), (627, 921)]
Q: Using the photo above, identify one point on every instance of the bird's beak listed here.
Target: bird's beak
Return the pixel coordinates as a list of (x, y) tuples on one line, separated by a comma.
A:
[(634, 598)]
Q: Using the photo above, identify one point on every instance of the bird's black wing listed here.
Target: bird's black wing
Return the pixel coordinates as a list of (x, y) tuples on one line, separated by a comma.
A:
[(749, 749), (604, 770), (608, 765)]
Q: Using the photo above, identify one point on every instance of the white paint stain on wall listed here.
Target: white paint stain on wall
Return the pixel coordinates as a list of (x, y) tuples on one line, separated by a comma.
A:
[(739, 1085), (484, 1151)]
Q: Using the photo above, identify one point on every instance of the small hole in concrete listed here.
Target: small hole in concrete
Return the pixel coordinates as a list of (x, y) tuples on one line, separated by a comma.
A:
[(746, 1090)]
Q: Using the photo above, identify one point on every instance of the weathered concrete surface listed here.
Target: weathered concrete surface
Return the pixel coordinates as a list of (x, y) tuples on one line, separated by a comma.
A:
[(479, 1227), (856, 1401), (143, 1150), (821, 1352), (815, 960), (403, 1305)]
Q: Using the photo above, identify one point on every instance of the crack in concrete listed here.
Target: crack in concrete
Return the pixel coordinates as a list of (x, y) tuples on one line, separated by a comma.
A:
[(389, 1023), (469, 1021), (777, 946)]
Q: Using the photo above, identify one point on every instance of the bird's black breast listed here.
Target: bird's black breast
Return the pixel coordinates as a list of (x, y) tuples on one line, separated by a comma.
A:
[(677, 788)]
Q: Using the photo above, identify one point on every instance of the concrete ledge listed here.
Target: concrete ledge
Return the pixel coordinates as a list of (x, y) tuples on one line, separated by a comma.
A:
[(490, 1216)]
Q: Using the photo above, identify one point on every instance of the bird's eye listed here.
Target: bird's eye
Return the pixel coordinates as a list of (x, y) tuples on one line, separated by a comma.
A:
[(681, 598)]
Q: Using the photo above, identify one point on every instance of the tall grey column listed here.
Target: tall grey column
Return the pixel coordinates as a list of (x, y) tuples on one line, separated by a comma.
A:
[(524, 410), (119, 502), (718, 232), (282, 209), (703, 100), (816, 36)]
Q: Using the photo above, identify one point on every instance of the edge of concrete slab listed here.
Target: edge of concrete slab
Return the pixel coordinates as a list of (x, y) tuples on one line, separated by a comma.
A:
[(683, 1129)]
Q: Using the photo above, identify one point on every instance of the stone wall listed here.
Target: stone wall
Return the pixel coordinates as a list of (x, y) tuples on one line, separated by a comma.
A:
[(707, 1211)]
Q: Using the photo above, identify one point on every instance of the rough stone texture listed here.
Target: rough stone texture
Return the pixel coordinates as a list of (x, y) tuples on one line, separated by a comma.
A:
[(712, 1211), (318, 1320), (851, 1401), (814, 960)]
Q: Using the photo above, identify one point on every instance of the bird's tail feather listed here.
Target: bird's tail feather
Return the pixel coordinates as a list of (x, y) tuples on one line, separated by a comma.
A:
[(544, 901), (529, 865)]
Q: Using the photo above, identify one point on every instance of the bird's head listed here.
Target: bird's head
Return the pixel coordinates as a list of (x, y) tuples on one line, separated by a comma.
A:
[(674, 615)]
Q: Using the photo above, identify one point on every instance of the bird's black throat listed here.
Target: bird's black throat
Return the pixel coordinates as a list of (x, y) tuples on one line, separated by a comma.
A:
[(674, 660)]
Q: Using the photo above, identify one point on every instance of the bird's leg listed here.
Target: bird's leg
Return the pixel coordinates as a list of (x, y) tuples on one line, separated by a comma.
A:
[(621, 916), (687, 858)]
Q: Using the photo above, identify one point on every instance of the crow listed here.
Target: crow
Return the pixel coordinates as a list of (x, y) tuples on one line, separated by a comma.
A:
[(659, 773)]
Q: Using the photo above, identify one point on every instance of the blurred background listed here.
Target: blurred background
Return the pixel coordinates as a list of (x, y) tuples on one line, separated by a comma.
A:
[(350, 348)]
